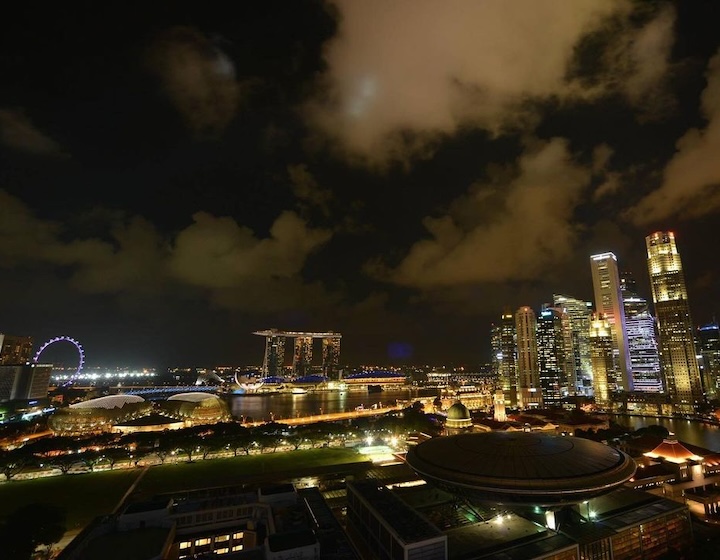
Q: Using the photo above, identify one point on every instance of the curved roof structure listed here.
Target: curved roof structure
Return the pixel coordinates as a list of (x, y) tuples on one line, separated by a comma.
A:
[(110, 401), (194, 397), (674, 451), (458, 411), (521, 467)]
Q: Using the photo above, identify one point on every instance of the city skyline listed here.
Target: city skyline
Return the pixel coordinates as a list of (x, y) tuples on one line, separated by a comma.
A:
[(174, 179)]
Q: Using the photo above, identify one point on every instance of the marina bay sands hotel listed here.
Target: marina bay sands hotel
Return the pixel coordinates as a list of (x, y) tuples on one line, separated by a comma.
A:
[(274, 360)]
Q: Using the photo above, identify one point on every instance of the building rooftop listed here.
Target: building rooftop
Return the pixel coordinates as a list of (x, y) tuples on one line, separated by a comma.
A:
[(110, 401), (520, 467), (138, 544)]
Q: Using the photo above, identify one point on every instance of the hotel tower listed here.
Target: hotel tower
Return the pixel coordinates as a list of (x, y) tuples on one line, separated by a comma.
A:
[(677, 350)]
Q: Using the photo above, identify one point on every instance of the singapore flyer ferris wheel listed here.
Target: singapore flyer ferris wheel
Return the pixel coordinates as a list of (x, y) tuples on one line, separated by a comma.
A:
[(78, 346)]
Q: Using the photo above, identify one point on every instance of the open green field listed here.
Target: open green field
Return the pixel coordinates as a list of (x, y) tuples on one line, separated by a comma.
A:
[(84, 496), (243, 469)]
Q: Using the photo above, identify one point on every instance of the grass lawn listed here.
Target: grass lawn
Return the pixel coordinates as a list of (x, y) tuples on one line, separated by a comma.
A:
[(243, 469), (84, 496)]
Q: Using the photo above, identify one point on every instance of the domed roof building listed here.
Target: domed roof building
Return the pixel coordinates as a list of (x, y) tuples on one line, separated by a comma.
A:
[(458, 417), (97, 415), (520, 467), (196, 408)]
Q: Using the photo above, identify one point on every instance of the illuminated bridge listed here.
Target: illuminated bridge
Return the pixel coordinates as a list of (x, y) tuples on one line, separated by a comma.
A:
[(302, 351)]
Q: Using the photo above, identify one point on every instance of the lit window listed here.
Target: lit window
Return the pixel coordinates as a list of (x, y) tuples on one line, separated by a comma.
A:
[(238, 535), (200, 542), (237, 547), (222, 538), (185, 544), (222, 550)]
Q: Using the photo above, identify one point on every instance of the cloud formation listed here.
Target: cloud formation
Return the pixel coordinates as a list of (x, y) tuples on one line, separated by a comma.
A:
[(402, 73), (19, 133), (226, 260), (691, 180), (198, 78), (503, 231)]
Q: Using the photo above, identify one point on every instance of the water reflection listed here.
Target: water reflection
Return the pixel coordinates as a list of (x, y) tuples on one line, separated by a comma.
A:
[(697, 433)]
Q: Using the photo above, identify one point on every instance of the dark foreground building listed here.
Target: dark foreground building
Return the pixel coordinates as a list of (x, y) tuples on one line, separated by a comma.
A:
[(515, 496)]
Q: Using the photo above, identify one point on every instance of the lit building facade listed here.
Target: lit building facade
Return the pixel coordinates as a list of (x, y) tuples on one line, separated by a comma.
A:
[(609, 303), (330, 356), (529, 394), (15, 349), (678, 360), (642, 343), (601, 356), (578, 317), (24, 381), (274, 360), (503, 347), (551, 347), (709, 337)]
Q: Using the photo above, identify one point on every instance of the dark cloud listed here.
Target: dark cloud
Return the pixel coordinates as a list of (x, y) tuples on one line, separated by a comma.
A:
[(18, 132)]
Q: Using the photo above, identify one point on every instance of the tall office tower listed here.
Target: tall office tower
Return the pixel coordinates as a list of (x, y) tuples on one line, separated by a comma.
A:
[(504, 356), (274, 355), (601, 356), (330, 356), (24, 381), (578, 314), (642, 342), (302, 357), (529, 393), (15, 349), (678, 360), (709, 336), (496, 352), (608, 302), (551, 345)]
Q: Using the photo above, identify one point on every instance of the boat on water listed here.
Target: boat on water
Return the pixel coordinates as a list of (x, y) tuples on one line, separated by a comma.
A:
[(298, 391)]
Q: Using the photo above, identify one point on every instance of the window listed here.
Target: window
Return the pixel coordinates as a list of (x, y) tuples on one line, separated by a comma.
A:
[(237, 536), (185, 544), (222, 550), (222, 538), (201, 542), (237, 547)]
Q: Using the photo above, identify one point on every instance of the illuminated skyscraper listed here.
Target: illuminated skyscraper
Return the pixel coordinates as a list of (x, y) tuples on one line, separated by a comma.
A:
[(330, 356), (529, 394), (642, 342), (551, 347), (709, 336), (274, 354), (302, 356), (678, 360), (15, 349), (608, 303), (503, 341), (601, 356), (578, 314)]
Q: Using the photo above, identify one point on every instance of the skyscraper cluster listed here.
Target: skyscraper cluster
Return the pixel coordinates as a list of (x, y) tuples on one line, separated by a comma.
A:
[(613, 346)]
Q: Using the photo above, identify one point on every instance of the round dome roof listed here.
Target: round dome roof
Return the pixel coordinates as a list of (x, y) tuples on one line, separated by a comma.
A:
[(521, 467), (110, 401), (458, 411)]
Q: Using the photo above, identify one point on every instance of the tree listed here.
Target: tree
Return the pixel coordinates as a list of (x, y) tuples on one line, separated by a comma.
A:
[(31, 526), (64, 462), (12, 462)]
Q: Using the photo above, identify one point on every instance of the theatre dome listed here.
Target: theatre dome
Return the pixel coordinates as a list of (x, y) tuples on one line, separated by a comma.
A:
[(520, 467)]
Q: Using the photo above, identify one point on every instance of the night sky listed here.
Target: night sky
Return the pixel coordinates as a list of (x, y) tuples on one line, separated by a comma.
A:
[(174, 176)]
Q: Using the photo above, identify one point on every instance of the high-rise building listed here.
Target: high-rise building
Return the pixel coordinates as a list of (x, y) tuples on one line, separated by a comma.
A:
[(15, 349), (641, 339), (24, 381), (274, 359), (678, 360), (302, 356), (608, 302), (551, 346), (503, 341), (578, 315), (330, 356), (529, 394), (709, 336), (601, 356)]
